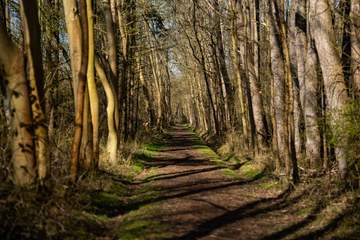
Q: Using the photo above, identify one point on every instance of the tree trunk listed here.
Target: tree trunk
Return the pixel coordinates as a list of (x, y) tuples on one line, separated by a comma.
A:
[(277, 66), (238, 71), (13, 72), (262, 131), (311, 109), (32, 37), (91, 86), (78, 43), (112, 140), (355, 46), (86, 149), (230, 93), (330, 62)]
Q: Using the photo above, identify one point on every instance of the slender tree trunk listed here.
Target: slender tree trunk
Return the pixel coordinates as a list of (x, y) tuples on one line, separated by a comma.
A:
[(355, 46), (110, 17), (86, 149), (112, 140), (78, 43), (202, 64), (91, 85)]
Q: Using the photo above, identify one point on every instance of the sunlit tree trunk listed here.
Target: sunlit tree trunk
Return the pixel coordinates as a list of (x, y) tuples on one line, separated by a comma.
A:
[(78, 43), (330, 62), (261, 127), (279, 95), (312, 109), (200, 97), (202, 65), (86, 149), (147, 98), (112, 139), (237, 69), (91, 86), (298, 111), (230, 94), (110, 18), (13, 73), (34, 73), (281, 39)]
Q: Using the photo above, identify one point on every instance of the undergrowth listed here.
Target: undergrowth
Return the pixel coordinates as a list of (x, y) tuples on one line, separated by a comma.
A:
[(58, 210)]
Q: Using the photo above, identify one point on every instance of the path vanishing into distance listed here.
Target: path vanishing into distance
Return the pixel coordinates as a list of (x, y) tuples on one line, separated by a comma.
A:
[(187, 192)]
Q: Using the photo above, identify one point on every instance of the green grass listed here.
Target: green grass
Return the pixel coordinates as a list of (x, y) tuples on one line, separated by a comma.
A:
[(149, 151), (208, 152), (231, 173), (143, 155), (155, 147), (140, 224), (119, 189), (98, 218), (251, 170), (270, 184), (137, 167)]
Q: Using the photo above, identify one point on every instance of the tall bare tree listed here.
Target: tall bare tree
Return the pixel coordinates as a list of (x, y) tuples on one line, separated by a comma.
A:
[(322, 30)]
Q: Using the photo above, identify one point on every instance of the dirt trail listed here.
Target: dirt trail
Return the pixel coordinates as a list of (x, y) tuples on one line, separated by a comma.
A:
[(195, 199)]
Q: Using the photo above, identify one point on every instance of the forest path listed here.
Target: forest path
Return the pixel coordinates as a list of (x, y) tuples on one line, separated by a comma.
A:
[(188, 193)]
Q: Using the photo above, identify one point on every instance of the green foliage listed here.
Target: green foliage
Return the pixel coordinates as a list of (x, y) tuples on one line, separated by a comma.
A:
[(231, 173), (252, 170), (346, 134), (208, 152), (140, 225), (154, 147), (105, 200)]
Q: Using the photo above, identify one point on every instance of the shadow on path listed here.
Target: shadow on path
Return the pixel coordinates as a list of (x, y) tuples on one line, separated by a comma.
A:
[(198, 201)]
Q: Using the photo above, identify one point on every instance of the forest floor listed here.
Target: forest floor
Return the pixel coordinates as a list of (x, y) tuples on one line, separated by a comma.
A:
[(186, 191)]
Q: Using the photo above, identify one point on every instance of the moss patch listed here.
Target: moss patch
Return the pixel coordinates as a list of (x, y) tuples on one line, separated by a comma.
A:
[(143, 195), (155, 147), (103, 203), (140, 225), (252, 170), (231, 174), (137, 167), (208, 152)]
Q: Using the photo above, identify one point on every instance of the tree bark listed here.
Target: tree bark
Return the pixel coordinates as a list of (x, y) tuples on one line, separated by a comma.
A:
[(279, 105), (33, 53), (91, 86), (112, 140), (355, 46), (311, 109), (330, 62), (13, 72), (78, 43), (238, 70)]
